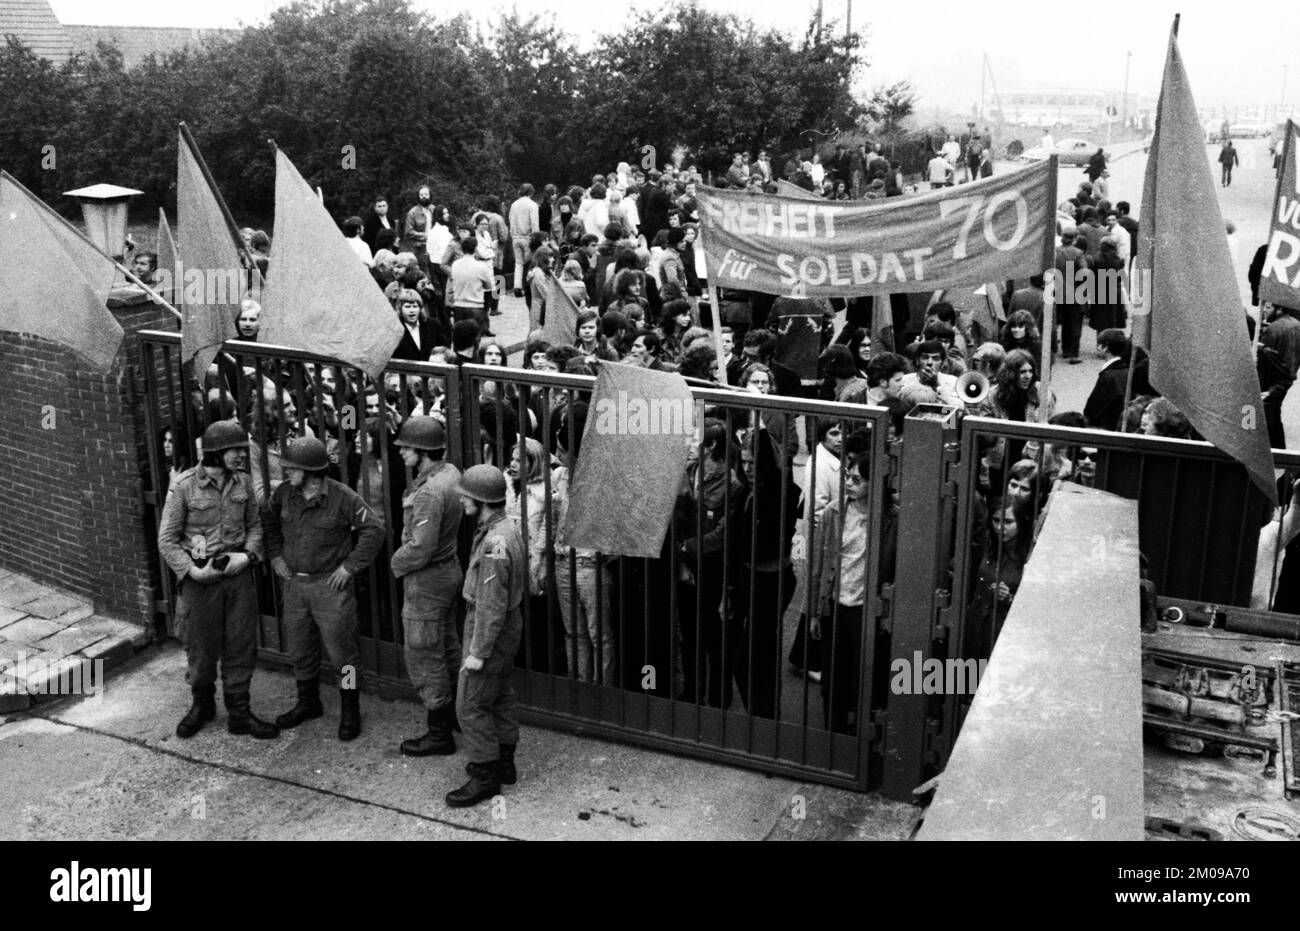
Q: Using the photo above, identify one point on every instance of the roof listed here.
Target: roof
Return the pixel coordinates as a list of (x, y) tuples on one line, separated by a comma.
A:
[(35, 25), (139, 42)]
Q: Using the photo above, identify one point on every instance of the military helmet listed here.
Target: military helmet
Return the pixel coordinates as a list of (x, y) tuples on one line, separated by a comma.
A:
[(483, 483), (423, 433), (224, 434), (305, 453)]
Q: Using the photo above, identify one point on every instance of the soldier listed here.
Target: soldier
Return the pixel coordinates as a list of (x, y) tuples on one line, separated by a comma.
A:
[(308, 527), (494, 590), (428, 565), (210, 536)]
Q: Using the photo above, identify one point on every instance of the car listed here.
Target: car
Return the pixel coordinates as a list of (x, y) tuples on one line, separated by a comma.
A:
[(1249, 130), (1067, 151)]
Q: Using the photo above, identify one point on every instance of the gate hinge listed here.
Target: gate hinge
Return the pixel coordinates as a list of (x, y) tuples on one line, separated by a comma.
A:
[(885, 608), (876, 729), (942, 612)]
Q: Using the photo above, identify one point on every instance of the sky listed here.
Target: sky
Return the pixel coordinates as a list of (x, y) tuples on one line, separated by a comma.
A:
[(1235, 53)]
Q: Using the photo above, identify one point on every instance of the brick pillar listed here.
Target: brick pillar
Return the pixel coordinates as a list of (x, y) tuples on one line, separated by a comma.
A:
[(73, 469)]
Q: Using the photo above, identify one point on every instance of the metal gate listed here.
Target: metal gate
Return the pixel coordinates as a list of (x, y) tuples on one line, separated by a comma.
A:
[(688, 652)]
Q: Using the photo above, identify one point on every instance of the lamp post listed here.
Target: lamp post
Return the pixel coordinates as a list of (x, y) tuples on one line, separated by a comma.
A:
[(104, 209)]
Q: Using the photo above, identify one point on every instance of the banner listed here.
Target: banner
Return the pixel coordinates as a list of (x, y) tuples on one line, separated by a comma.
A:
[(1187, 308), (53, 282), (995, 228), (1279, 282), (212, 286), (640, 428)]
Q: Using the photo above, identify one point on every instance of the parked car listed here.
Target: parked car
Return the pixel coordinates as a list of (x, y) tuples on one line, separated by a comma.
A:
[(1067, 151)]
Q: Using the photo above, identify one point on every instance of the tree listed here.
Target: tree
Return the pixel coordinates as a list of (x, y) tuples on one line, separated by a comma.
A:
[(889, 106)]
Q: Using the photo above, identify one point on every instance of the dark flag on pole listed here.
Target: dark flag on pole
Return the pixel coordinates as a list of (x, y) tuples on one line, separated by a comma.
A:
[(319, 296), (1279, 282), (37, 245), (640, 427), (210, 276), (560, 328), (1187, 307)]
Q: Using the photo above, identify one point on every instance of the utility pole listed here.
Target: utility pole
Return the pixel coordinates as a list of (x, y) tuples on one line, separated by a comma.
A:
[(1127, 65), (848, 22), (819, 22), (984, 71)]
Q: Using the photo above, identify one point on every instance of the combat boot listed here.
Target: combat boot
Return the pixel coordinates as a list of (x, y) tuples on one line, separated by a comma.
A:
[(241, 720), (308, 706), (484, 783), (350, 714), (203, 710), (506, 769), (437, 741)]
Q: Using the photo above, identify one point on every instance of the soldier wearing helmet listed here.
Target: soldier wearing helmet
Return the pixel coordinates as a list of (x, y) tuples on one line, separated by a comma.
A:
[(431, 576), (494, 590), (308, 525), (210, 535)]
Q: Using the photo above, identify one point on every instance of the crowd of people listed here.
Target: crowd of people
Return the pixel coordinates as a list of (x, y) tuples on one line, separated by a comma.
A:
[(710, 613)]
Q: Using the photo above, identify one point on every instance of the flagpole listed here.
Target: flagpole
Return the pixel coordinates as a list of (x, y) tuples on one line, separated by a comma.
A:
[(716, 292), (1146, 297), (157, 298), (240, 245)]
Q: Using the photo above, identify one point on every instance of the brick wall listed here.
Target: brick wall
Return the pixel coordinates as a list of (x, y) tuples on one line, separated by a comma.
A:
[(74, 467)]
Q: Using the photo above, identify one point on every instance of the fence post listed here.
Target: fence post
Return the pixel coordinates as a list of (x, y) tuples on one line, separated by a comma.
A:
[(920, 590)]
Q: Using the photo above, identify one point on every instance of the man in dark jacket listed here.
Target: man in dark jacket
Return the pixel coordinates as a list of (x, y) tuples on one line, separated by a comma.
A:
[(1227, 159), (654, 206), (1105, 407)]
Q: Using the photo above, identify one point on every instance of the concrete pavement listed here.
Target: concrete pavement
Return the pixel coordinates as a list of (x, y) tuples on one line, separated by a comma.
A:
[(109, 767)]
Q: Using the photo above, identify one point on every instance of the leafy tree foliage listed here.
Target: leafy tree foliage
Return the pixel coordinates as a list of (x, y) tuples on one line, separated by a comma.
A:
[(375, 97)]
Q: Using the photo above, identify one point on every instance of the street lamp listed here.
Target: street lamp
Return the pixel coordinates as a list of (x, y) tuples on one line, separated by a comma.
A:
[(104, 208)]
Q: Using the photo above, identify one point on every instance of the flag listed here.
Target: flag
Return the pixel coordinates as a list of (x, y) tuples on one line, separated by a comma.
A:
[(1279, 281), (640, 428), (560, 328), (53, 282), (209, 281), (168, 257), (1190, 315), (318, 297)]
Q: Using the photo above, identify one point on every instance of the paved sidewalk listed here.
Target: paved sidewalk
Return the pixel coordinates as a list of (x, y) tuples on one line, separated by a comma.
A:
[(46, 635), (108, 766)]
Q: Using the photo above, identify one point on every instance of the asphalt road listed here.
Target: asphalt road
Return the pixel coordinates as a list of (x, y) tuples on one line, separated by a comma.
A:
[(1248, 203)]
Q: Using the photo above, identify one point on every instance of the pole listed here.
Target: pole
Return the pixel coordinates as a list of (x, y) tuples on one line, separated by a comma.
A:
[(716, 294), (1049, 332), (216, 193), (848, 22), (130, 276), (1147, 297), (1128, 64), (984, 72)]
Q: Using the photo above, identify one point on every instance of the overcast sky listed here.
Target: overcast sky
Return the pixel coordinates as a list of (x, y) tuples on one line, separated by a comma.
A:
[(1235, 52)]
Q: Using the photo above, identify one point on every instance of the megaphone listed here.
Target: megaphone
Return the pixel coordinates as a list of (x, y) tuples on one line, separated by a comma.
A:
[(972, 388)]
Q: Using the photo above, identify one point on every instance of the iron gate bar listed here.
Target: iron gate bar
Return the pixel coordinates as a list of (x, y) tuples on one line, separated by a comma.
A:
[(792, 747)]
